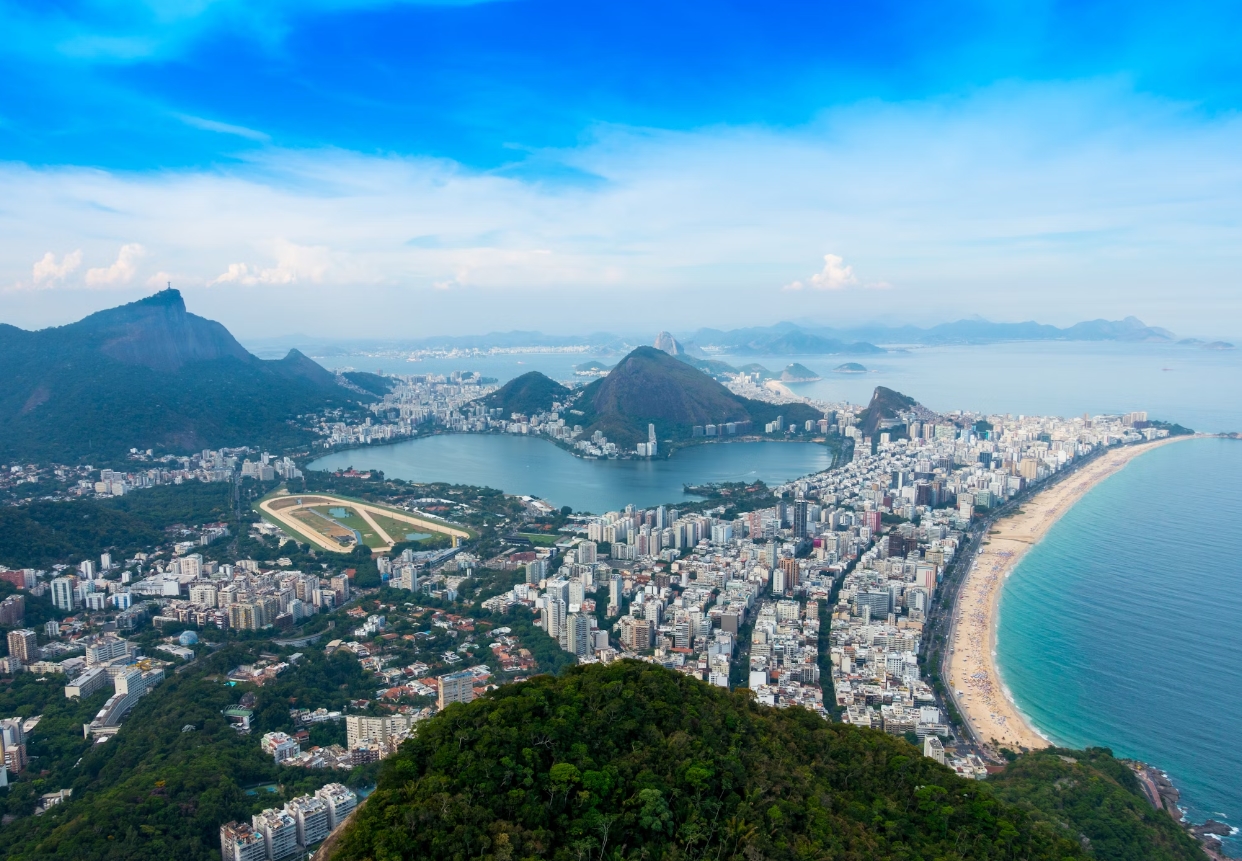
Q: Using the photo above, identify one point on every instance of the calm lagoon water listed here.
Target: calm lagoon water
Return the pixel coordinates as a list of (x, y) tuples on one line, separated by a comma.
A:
[(1123, 627), (535, 467)]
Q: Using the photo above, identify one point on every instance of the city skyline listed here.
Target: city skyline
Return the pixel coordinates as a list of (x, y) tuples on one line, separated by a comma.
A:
[(491, 166)]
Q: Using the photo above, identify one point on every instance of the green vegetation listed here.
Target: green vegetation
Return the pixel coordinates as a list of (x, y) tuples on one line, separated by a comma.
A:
[(1173, 428), (650, 386), (528, 394), (40, 534), (629, 760), (796, 373), (43, 533), (373, 383), (149, 375), (1079, 794), (539, 539), (155, 791)]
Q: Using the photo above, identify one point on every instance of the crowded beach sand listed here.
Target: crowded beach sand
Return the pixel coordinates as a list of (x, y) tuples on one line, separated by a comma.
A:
[(972, 672)]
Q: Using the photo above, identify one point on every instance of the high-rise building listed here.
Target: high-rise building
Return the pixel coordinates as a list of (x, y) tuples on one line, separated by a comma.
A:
[(615, 586), (360, 728), (280, 833), (586, 553), (24, 645), (636, 634), (455, 688), (13, 610), (310, 814), (340, 800), (64, 593), (799, 518), (579, 635), (536, 571), (240, 842)]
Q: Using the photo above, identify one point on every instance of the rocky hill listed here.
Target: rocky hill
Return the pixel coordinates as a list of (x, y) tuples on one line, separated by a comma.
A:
[(650, 386), (149, 375), (883, 409)]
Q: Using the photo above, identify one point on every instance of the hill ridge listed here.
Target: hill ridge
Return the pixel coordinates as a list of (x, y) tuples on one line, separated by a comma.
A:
[(149, 374)]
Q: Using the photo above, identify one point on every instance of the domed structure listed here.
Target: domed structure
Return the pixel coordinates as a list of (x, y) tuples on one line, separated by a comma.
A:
[(187, 638)]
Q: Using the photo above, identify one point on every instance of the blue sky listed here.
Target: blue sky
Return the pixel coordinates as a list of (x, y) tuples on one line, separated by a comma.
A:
[(470, 166)]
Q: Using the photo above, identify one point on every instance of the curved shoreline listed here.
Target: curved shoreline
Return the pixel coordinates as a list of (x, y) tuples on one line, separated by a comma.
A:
[(973, 676)]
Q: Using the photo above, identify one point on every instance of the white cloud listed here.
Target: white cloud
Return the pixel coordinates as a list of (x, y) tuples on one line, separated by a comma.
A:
[(834, 276), (119, 273), (997, 204), (223, 128), (48, 272), (293, 263), (160, 280)]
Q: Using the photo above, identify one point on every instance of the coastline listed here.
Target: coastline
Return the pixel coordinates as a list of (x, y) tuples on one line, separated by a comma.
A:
[(973, 677)]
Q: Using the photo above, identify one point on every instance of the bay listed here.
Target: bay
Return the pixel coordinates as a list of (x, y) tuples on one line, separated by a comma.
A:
[(1123, 626), (535, 467)]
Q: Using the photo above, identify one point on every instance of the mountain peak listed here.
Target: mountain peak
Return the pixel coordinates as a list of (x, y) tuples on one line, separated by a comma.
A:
[(159, 333), (885, 405), (665, 342), (169, 297)]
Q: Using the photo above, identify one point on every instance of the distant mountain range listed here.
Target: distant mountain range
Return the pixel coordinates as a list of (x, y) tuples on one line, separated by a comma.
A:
[(781, 339), (786, 338), (151, 375)]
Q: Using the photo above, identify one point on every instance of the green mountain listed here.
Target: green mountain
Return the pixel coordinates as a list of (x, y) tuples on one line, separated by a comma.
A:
[(1088, 794), (883, 409), (850, 368), (149, 375), (632, 761), (650, 386), (796, 373), (530, 393)]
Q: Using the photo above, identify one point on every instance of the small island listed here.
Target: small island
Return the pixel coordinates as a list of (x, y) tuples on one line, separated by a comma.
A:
[(796, 373), (849, 368)]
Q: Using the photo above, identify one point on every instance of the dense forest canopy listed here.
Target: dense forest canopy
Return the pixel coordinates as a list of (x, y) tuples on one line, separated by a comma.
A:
[(629, 760)]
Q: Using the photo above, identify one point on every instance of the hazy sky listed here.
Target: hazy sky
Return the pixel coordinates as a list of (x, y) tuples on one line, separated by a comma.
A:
[(328, 166)]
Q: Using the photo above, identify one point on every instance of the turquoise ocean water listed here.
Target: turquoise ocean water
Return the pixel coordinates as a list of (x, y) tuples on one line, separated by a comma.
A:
[(1123, 627)]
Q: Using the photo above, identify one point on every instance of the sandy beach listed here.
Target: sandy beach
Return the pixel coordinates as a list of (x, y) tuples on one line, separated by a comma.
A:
[(972, 672)]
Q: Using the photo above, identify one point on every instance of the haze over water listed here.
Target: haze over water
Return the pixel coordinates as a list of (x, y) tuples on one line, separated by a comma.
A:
[(1201, 389)]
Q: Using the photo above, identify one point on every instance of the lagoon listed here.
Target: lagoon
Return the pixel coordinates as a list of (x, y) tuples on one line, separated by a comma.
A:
[(535, 467)]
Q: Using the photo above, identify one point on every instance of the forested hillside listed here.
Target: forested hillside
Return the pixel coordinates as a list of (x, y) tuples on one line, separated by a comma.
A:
[(629, 760), (150, 375)]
